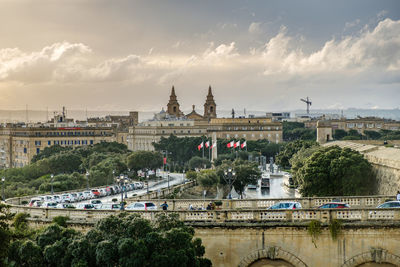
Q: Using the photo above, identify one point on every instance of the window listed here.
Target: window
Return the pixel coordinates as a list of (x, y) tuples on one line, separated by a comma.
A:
[(91, 142), (49, 143), (25, 150), (38, 143), (37, 150)]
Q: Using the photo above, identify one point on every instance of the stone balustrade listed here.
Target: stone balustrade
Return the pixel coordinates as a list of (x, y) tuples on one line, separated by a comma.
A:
[(223, 216)]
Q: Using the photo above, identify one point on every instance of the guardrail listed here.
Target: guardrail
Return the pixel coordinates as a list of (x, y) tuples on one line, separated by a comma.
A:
[(224, 216)]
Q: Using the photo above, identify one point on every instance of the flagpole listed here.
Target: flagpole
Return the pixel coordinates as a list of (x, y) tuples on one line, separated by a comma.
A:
[(203, 146)]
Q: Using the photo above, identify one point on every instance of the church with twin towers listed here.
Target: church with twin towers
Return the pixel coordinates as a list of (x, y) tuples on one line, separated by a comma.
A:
[(173, 121), (210, 107)]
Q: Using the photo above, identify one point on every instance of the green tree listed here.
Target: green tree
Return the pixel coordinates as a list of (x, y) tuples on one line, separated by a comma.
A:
[(140, 160), (208, 179), (298, 160), (290, 149), (199, 163), (333, 171), (374, 135), (338, 134)]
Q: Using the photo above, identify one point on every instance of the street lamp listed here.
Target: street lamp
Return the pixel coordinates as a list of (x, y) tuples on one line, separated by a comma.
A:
[(87, 180), (183, 176), (121, 183), (52, 179), (230, 177), (3, 179)]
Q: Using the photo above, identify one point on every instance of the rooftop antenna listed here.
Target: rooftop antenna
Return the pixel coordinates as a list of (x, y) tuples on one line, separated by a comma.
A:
[(233, 113), (245, 112), (308, 102)]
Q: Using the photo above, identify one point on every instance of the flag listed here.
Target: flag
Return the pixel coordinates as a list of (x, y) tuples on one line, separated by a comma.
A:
[(230, 144), (243, 144), (200, 146), (214, 145), (237, 144), (165, 160), (207, 144)]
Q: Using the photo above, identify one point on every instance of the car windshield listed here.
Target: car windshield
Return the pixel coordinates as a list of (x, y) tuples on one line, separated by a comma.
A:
[(150, 204)]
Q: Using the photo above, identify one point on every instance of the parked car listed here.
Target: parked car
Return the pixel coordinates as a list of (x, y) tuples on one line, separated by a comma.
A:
[(96, 203), (37, 203), (33, 200), (390, 204), (286, 205), (48, 198), (57, 198), (88, 194), (49, 205), (334, 205), (110, 206), (85, 206), (65, 206), (66, 198), (138, 185), (96, 192), (74, 197), (141, 206), (81, 196)]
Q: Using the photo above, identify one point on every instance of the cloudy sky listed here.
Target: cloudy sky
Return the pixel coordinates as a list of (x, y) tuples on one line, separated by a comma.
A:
[(259, 55)]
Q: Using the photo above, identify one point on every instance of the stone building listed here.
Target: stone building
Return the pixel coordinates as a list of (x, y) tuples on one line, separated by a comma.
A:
[(173, 121)]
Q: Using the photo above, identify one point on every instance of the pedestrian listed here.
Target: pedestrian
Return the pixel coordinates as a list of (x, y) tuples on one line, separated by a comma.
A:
[(398, 196), (164, 205), (209, 206), (190, 207)]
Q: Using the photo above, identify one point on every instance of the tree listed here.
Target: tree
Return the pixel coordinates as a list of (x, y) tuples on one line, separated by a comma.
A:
[(297, 131), (208, 179), (338, 134), (290, 149), (333, 171), (245, 173), (374, 135), (123, 240), (298, 160), (141, 160), (199, 163)]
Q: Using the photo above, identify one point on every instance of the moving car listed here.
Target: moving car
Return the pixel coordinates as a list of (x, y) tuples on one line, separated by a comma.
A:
[(65, 206), (110, 206), (49, 205), (141, 206), (286, 205), (390, 204), (334, 205), (85, 206), (96, 203)]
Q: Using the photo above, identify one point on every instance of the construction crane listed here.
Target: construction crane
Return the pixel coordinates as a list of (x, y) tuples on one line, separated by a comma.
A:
[(308, 102)]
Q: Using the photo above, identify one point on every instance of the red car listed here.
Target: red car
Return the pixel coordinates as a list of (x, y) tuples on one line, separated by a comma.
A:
[(96, 193), (334, 205)]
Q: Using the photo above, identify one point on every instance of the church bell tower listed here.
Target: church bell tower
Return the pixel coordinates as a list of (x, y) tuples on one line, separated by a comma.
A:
[(210, 108), (173, 105)]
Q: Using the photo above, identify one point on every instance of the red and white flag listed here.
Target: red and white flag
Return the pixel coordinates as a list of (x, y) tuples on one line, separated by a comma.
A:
[(200, 146), (230, 144), (214, 145), (207, 144), (237, 144), (243, 144)]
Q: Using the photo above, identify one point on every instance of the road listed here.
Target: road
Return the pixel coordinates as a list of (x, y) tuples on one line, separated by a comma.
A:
[(278, 189), (175, 178)]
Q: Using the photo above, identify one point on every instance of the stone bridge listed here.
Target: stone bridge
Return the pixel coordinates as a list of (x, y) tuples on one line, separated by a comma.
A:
[(245, 233)]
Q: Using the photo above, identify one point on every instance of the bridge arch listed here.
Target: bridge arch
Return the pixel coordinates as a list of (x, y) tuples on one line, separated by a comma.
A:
[(375, 255), (272, 253)]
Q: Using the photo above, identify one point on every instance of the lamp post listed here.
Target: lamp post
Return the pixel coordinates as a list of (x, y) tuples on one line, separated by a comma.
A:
[(87, 180), (52, 179), (230, 177), (121, 183), (3, 179), (183, 176)]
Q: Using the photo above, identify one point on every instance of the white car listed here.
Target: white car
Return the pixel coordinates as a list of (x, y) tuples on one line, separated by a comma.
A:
[(48, 198), (57, 198), (49, 205), (85, 206), (88, 195), (66, 198), (74, 197), (141, 206), (33, 201), (81, 196), (65, 206), (96, 203), (390, 204), (110, 206)]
